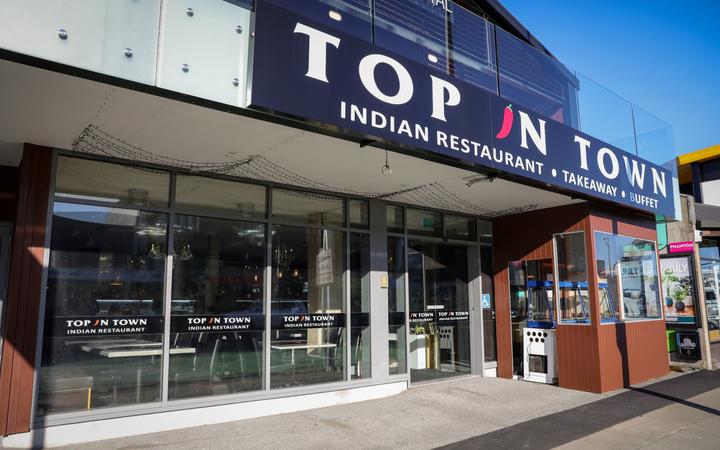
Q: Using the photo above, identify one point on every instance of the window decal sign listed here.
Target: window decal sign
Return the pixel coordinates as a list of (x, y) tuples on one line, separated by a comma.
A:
[(306, 70), (217, 323), (307, 320), (103, 326)]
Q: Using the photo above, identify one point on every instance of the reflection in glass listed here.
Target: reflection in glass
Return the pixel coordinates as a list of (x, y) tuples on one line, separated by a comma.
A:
[(572, 277), (628, 279), (360, 305), (416, 30), (425, 223), (214, 195), (102, 343), (396, 305), (307, 207), (394, 217), (518, 311), (308, 306), (460, 227), (439, 310), (532, 78), (473, 49), (217, 307), (485, 231), (710, 265), (84, 179), (488, 303), (359, 213)]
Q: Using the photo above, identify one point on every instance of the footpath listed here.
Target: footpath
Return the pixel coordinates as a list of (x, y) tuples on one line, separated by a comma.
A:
[(680, 411)]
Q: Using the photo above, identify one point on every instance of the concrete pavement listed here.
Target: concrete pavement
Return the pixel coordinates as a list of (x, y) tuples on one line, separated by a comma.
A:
[(678, 412)]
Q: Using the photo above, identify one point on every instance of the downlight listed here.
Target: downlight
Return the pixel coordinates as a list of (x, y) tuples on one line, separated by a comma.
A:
[(334, 15)]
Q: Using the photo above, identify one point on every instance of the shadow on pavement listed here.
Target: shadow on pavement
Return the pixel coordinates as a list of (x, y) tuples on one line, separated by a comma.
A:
[(566, 426)]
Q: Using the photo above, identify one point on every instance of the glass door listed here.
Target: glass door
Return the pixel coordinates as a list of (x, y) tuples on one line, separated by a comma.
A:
[(439, 313)]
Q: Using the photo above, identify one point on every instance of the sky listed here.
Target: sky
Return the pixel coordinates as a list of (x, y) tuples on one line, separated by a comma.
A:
[(662, 55)]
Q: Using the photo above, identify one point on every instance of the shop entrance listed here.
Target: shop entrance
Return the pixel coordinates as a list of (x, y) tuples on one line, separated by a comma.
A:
[(439, 314)]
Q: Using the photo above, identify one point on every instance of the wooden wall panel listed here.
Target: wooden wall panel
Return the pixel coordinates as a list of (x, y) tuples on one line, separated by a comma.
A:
[(521, 237), (578, 362), (633, 351), (24, 289)]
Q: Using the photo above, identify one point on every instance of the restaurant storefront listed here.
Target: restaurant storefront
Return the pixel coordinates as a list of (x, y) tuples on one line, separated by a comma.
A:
[(360, 219), (268, 288)]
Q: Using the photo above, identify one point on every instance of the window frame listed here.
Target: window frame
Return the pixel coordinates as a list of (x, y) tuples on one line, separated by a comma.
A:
[(661, 297), (588, 313)]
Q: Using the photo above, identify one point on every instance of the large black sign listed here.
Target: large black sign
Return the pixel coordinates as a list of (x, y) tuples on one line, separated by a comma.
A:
[(103, 326), (313, 71)]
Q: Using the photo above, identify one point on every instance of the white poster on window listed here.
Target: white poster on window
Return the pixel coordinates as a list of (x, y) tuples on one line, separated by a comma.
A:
[(632, 286), (324, 267)]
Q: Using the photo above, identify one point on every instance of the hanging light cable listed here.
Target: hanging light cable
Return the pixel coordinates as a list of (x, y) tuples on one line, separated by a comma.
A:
[(386, 170)]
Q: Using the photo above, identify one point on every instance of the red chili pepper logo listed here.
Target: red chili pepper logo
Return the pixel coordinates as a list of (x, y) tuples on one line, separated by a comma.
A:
[(507, 123)]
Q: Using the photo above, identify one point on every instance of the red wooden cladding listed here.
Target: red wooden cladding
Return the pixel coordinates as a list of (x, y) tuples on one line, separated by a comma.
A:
[(633, 351), (524, 237), (24, 288), (594, 357)]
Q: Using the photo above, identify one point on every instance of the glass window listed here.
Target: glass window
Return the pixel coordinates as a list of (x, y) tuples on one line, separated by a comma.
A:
[(414, 29), (396, 305), (102, 343), (394, 217), (359, 213), (307, 207), (485, 231), (710, 267), (573, 300), (628, 278), (211, 194), (488, 303), (98, 181), (459, 227), (217, 325), (473, 49), (308, 307), (360, 305), (529, 76), (426, 223)]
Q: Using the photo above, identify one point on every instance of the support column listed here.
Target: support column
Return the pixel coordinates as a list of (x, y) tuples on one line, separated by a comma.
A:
[(17, 373), (379, 354)]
